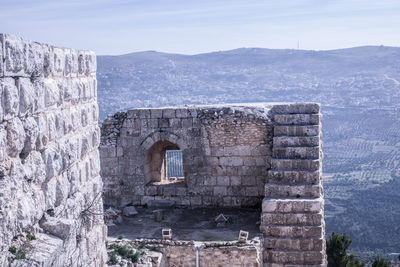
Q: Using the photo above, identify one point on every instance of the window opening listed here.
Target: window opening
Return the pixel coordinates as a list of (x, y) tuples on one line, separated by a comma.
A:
[(174, 164)]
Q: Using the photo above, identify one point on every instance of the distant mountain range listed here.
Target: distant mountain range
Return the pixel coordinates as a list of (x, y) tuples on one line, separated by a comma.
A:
[(359, 89)]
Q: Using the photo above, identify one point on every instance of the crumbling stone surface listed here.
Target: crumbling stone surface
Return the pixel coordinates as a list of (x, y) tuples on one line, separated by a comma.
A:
[(156, 253), (50, 184)]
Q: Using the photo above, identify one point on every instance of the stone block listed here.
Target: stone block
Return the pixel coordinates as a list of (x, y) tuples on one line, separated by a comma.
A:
[(58, 61), (59, 227), (169, 191), (296, 152), (15, 57), (235, 180), (53, 161), (168, 113), (295, 164), (187, 123), (313, 257), (129, 211), (182, 113), (249, 180), (52, 94), (181, 191), (156, 114), (296, 141), (297, 130), (298, 119), (296, 108), (195, 200), (3, 144), (220, 191), (292, 191), (26, 96), (15, 137), (293, 177), (10, 98), (223, 180), (1, 57), (31, 134), (90, 63), (163, 123)]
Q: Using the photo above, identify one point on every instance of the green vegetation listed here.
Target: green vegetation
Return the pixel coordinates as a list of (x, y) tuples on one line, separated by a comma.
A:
[(30, 236), (125, 251), (13, 250), (362, 178), (380, 262), (336, 250), (19, 254), (112, 258)]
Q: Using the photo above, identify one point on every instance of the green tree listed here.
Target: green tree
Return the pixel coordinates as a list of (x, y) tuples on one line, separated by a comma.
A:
[(336, 250), (380, 262)]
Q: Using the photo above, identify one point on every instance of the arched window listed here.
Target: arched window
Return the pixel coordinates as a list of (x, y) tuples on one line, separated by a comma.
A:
[(164, 163)]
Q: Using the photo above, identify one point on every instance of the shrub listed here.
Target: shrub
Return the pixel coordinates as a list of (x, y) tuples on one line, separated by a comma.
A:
[(112, 258), (380, 262), (30, 236)]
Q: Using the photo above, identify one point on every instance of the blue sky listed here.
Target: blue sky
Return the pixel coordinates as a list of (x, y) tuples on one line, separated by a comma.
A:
[(190, 27)]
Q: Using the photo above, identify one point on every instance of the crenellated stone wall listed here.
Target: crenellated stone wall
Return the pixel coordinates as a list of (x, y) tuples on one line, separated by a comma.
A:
[(50, 185)]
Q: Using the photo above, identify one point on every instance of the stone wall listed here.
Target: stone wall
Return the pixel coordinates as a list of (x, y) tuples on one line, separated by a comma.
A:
[(50, 186), (234, 155), (226, 155), (292, 219), (218, 254)]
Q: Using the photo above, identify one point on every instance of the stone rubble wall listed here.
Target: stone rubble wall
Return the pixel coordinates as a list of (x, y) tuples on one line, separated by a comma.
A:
[(50, 185), (226, 155), (292, 220), (218, 254)]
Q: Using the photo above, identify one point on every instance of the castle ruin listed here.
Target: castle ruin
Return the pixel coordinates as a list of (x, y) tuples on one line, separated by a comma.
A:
[(234, 156)]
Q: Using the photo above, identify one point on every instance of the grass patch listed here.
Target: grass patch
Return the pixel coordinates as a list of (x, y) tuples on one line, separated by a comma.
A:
[(124, 251), (30, 236), (19, 254)]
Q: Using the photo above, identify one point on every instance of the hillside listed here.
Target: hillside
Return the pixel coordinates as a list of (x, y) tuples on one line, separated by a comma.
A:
[(359, 89)]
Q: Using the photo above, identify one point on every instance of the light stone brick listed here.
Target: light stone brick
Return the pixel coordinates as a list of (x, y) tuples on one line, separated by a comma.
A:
[(26, 96), (15, 58), (10, 98), (3, 143), (51, 93), (1, 58), (15, 137)]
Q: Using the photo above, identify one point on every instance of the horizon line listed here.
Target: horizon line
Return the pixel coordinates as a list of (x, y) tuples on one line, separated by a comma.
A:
[(230, 50)]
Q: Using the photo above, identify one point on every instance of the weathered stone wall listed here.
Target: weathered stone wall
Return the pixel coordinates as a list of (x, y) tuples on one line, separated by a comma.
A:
[(50, 186), (226, 155), (234, 155), (292, 219), (218, 254)]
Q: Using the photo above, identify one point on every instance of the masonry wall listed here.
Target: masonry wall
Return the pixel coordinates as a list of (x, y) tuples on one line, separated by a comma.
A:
[(292, 218), (50, 186), (218, 254), (235, 155), (226, 155)]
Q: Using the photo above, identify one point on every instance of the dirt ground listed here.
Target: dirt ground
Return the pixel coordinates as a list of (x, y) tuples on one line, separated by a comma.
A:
[(189, 224)]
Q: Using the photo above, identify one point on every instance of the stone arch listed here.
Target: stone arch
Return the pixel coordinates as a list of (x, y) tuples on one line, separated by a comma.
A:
[(155, 146), (155, 137)]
